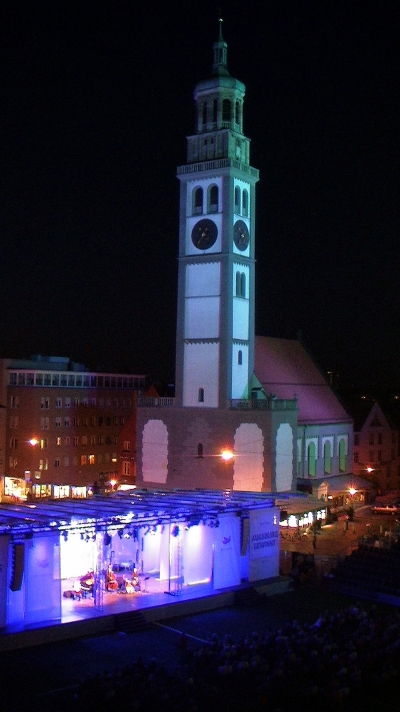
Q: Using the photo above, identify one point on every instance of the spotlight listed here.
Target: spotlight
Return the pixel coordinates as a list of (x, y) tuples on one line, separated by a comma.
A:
[(65, 535), (107, 539), (120, 533), (175, 530)]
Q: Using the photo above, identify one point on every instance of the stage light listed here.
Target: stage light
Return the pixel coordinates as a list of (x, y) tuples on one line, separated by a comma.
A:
[(175, 530), (65, 535)]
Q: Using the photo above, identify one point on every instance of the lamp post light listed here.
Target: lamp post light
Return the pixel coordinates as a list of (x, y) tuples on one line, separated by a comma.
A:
[(31, 475), (227, 455)]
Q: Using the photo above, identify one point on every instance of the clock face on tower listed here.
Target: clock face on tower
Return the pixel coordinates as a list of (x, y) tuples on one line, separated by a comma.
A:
[(204, 234), (241, 236)]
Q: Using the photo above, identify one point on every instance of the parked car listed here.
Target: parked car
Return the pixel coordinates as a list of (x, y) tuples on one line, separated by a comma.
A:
[(386, 509)]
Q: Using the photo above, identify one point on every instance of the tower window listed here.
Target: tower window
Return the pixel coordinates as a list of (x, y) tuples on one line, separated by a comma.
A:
[(215, 111), (243, 285), (226, 110), (237, 113), (200, 396), (204, 118), (213, 199), (240, 284), (240, 358), (245, 203), (237, 200), (198, 201)]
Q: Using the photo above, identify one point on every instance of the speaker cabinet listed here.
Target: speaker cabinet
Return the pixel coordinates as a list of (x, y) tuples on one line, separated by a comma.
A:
[(17, 566), (245, 533)]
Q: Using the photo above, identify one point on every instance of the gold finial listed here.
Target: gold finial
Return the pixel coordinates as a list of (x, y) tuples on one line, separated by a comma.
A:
[(220, 20)]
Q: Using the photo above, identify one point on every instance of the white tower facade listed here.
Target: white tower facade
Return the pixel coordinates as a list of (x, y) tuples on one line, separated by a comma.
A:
[(216, 285)]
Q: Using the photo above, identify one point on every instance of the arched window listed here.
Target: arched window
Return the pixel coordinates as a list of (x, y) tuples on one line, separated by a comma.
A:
[(240, 284), (327, 457), (200, 397), (237, 200), (342, 455), (237, 112), (237, 284), (312, 460), (204, 114), (226, 110), (215, 111), (213, 199), (198, 201), (240, 358), (245, 203), (200, 450)]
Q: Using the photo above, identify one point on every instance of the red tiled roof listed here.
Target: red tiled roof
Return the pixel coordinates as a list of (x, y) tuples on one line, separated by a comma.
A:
[(285, 369)]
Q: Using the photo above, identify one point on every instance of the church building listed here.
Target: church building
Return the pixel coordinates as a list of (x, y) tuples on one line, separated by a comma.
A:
[(222, 430)]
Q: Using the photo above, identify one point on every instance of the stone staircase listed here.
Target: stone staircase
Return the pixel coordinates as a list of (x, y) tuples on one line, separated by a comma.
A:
[(131, 622)]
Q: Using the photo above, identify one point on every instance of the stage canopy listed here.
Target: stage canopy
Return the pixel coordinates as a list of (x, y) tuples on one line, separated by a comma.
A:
[(122, 510)]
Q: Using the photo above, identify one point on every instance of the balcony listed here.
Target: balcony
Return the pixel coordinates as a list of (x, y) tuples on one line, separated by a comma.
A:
[(148, 402), (272, 404)]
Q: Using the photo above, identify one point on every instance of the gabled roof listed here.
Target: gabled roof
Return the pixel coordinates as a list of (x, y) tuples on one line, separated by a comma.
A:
[(361, 405), (286, 370), (360, 408)]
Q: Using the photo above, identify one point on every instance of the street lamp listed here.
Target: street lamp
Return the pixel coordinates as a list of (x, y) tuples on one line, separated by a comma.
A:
[(227, 455)]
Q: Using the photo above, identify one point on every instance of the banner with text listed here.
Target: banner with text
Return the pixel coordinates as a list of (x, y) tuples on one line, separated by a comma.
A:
[(264, 544)]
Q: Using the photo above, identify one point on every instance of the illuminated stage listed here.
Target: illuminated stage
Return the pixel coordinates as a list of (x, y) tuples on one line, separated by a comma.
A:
[(183, 545)]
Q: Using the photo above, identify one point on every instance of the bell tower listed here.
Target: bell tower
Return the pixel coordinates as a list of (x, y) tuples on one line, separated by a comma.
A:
[(215, 313)]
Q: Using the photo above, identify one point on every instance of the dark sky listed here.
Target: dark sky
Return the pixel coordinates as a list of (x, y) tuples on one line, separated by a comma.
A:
[(97, 100)]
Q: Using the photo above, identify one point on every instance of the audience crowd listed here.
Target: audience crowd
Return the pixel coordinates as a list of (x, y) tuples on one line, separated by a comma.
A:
[(337, 662)]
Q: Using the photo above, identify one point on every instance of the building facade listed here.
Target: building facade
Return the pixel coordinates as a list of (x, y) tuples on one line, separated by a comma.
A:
[(63, 431), (217, 433), (260, 402), (376, 444)]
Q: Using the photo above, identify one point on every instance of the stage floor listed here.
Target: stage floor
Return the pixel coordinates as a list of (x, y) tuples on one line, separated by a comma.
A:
[(153, 592)]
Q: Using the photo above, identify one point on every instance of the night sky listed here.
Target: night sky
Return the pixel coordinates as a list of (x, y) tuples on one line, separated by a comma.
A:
[(97, 101)]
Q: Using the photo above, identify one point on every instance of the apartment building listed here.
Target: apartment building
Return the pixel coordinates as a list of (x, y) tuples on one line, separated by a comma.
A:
[(376, 453), (65, 431)]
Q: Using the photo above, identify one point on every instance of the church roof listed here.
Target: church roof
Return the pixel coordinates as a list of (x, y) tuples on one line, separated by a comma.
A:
[(286, 370)]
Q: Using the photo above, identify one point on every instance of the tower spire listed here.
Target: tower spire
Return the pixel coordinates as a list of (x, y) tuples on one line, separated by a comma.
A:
[(220, 49)]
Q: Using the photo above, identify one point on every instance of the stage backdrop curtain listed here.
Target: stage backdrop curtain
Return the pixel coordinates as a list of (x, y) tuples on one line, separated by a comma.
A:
[(227, 552), (151, 544), (77, 556), (197, 554), (42, 580)]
